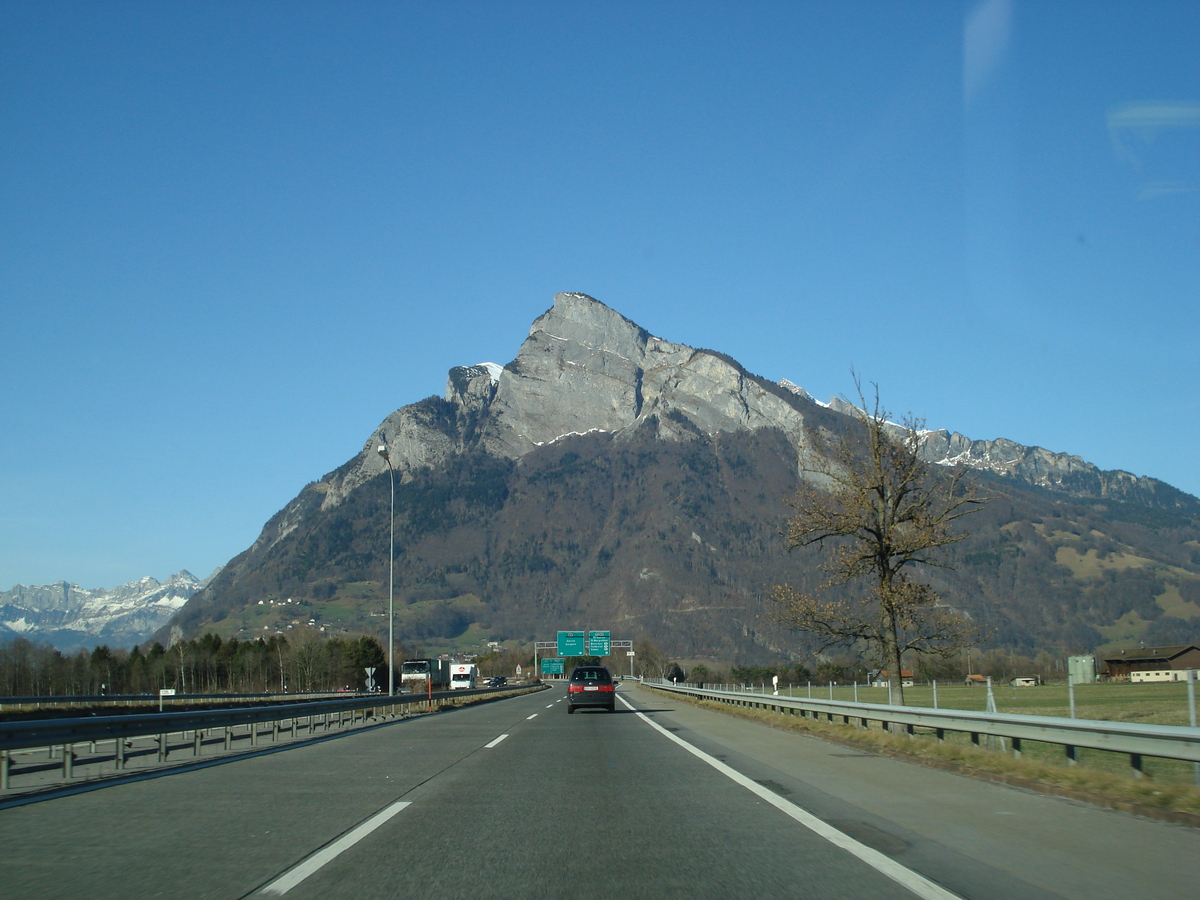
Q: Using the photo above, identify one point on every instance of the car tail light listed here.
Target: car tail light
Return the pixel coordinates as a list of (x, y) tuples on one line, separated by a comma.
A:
[(573, 688)]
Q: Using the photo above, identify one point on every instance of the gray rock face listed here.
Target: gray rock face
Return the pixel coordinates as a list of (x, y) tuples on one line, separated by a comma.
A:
[(416, 436), (471, 387), (585, 367)]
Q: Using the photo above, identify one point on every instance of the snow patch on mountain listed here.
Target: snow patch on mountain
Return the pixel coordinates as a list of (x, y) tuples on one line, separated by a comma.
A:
[(71, 618)]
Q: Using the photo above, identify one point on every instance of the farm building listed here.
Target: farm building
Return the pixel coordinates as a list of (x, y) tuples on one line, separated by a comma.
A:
[(1151, 663), (879, 678)]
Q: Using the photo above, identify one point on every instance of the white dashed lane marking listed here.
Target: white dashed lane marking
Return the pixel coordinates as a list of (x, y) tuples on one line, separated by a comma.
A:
[(293, 877)]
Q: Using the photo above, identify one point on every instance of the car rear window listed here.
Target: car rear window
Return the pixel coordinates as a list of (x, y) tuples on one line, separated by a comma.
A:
[(600, 676)]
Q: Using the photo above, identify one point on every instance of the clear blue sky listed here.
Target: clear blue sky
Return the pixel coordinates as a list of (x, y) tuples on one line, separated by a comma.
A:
[(235, 236)]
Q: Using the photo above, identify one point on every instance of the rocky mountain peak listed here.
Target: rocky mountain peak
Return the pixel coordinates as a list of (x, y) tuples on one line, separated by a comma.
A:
[(585, 368)]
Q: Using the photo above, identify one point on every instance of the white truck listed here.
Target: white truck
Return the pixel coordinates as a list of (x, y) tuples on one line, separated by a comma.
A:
[(463, 675)]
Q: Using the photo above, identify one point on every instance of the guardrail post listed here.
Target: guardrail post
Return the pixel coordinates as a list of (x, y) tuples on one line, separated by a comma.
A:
[(1072, 754), (228, 737), (1016, 748), (275, 731), (1191, 688), (68, 761), (941, 735), (162, 747), (1135, 764), (975, 741), (196, 739), (3, 770), (119, 754), (253, 734)]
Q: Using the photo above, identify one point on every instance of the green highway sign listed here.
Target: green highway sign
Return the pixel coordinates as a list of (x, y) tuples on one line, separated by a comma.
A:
[(599, 643), (570, 643), (553, 666)]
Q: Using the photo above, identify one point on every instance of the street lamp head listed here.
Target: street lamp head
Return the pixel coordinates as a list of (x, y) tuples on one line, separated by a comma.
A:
[(383, 451)]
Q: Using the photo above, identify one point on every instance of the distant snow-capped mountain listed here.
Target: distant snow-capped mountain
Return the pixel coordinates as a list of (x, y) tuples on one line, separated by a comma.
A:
[(70, 617)]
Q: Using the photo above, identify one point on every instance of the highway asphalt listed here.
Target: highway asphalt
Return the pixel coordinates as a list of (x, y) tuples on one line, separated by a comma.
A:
[(517, 799)]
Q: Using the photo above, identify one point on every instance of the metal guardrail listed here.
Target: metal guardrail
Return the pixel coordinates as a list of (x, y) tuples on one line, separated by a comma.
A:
[(121, 730), (11, 704), (1180, 742)]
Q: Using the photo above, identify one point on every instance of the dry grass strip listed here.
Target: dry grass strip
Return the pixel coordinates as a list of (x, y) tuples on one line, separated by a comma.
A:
[(1153, 798)]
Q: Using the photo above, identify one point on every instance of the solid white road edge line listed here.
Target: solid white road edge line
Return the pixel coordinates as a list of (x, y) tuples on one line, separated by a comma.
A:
[(918, 884), (495, 742), (293, 877)]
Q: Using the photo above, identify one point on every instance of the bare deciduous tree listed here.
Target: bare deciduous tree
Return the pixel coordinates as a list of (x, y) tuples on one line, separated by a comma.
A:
[(878, 510)]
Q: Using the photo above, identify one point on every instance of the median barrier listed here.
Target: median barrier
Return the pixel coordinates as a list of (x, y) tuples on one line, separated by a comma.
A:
[(160, 734)]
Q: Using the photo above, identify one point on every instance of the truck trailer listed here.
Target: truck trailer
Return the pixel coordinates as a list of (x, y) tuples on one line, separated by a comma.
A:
[(416, 675)]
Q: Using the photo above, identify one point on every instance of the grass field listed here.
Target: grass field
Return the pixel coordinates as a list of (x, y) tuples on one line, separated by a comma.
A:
[(1157, 704)]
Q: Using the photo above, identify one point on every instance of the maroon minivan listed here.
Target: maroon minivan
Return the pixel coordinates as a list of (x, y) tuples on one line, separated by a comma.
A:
[(590, 686)]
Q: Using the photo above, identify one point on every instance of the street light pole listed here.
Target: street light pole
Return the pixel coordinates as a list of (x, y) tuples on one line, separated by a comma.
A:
[(383, 451)]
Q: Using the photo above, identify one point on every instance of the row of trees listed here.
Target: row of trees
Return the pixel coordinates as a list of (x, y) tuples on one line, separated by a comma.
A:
[(308, 661), (847, 668)]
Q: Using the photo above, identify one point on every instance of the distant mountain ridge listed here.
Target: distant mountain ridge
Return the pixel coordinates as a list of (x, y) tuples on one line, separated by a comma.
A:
[(608, 475), (1037, 466), (70, 617)]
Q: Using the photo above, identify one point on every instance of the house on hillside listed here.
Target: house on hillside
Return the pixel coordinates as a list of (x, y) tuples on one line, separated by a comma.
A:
[(1150, 663), (1025, 681), (879, 678), (974, 679)]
